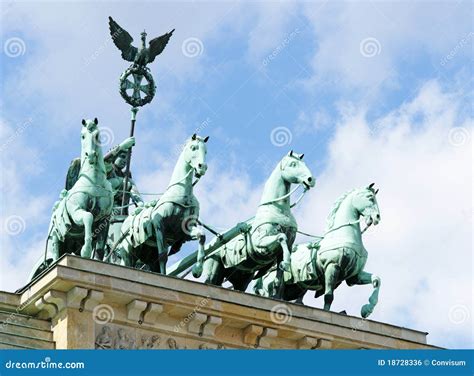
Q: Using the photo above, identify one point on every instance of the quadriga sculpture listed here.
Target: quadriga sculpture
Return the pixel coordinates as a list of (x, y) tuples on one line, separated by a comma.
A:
[(271, 234), (147, 234), (339, 256), (79, 222)]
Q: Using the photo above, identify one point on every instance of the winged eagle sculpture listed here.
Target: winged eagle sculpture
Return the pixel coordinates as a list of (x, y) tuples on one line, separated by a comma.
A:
[(142, 55), (133, 89)]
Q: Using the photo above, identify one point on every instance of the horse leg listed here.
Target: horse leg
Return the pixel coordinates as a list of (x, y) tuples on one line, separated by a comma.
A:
[(86, 219), (162, 249), (284, 266), (102, 229), (214, 271), (198, 233), (299, 299), (364, 278), (125, 252), (54, 247), (286, 263), (331, 274), (241, 281), (279, 284)]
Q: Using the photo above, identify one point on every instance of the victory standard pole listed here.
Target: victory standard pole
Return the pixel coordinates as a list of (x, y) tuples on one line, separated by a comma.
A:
[(138, 71), (134, 111)]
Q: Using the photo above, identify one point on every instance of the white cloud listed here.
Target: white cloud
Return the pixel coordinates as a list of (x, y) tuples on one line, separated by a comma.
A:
[(269, 30), (422, 248), (69, 53), (22, 211), (403, 32)]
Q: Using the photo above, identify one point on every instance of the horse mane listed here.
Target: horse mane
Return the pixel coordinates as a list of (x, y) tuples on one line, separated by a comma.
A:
[(332, 215)]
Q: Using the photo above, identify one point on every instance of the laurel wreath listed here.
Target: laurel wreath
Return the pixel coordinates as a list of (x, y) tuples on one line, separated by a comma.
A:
[(139, 70)]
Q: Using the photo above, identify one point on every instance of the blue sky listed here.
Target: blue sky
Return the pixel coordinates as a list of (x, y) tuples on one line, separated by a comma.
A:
[(369, 91)]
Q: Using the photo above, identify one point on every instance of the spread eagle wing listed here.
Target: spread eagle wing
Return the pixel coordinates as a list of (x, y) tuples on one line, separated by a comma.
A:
[(157, 45), (123, 40), (73, 173)]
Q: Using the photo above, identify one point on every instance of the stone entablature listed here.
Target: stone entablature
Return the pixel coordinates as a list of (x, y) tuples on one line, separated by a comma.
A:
[(91, 304)]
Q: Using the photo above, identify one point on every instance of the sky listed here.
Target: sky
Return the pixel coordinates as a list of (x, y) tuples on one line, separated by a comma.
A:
[(369, 91)]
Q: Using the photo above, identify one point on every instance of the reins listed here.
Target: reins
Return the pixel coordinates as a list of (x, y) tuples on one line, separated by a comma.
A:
[(334, 229), (286, 196)]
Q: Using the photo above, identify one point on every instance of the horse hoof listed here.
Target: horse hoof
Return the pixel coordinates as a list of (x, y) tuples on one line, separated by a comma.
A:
[(366, 310), (86, 252), (197, 271)]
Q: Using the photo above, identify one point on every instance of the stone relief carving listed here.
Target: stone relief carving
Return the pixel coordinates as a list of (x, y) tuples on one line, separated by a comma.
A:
[(116, 337), (104, 340), (123, 341), (151, 342)]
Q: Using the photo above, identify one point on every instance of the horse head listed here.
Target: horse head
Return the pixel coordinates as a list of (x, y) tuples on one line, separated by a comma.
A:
[(364, 200), (90, 141), (294, 170), (194, 154)]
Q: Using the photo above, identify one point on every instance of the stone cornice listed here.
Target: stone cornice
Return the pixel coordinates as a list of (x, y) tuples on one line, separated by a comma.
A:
[(195, 313)]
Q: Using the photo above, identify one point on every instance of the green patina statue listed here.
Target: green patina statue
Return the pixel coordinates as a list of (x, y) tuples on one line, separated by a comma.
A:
[(147, 234), (339, 256), (125, 190), (92, 217), (115, 163), (131, 81), (79, 222), (271, 234)]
